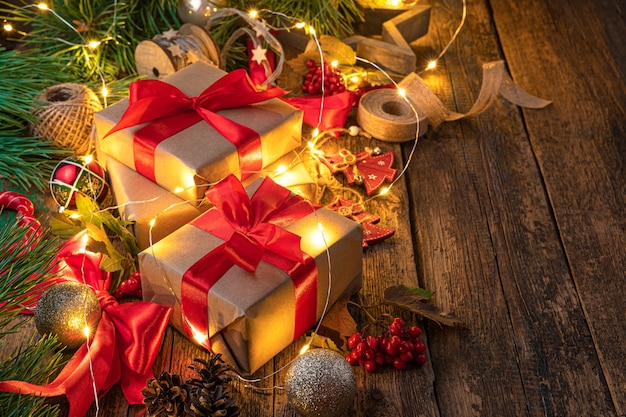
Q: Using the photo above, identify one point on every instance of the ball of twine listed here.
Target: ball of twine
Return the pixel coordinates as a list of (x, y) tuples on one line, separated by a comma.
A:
[(66, 116)]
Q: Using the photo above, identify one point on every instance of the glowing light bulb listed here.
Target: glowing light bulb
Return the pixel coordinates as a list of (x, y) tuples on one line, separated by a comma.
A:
[(311, 145), (42, 6), (401, 92), (355, 79), (86, 331), (384, 190), (281, 169), (334, 63), (304, 349), (152, 222), (312, 30), (94, 44), (8, 27), (104, 91), (88, 159), (74, 216), (178, 190), (431, 65), (320, 227), (253, 14), (316, 132), (300, 25)]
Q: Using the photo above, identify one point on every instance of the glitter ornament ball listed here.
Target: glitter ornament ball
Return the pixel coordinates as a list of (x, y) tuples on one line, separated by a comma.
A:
[(77, 175), (320, 383), (66, 310)]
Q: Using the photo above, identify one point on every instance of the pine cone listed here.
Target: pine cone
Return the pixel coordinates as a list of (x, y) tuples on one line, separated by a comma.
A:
[(208, 397), (165, 396)]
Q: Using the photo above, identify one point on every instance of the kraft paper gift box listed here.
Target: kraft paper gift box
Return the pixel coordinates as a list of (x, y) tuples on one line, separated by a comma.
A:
[(198, 155), (250, 316), (141, 200)]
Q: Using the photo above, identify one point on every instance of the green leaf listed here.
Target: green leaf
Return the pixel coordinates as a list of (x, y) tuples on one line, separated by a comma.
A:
[(421, 293)]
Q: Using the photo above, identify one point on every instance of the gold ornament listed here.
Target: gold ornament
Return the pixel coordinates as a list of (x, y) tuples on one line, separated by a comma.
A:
[(69, 310), (320, 383)]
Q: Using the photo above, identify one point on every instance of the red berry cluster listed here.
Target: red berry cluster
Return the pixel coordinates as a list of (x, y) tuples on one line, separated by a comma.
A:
[(398, 346), (129, 288), (333, 82)]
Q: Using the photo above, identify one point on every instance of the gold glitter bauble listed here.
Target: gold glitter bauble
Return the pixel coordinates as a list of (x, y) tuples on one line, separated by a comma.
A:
[(66, 310), (320, 383)]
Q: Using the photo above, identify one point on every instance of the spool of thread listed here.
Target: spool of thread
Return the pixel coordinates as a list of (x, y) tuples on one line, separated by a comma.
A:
[(388, 117)]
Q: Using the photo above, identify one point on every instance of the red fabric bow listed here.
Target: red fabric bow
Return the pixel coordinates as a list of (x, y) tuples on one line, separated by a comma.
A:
[(169, 111), (124, 346), (252, 229)]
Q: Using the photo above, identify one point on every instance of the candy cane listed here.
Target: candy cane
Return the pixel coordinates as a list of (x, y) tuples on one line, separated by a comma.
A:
[(25, 211)]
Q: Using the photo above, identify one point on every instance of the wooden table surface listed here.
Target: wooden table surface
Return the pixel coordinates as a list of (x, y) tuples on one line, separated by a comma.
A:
[(515, 219)]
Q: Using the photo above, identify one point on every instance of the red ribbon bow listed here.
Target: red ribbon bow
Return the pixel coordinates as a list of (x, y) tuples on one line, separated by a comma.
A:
[(124, 346), (252, 229), (169, 111)]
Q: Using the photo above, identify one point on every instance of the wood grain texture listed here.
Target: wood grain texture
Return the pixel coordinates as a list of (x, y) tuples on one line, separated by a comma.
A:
[(515, 219)]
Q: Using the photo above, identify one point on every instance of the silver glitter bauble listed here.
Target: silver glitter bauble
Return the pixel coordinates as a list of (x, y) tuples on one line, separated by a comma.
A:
[(320, 383), (66, 310)]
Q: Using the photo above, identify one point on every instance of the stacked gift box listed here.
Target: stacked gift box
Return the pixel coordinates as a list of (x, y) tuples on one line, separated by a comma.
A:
[(174, 141)]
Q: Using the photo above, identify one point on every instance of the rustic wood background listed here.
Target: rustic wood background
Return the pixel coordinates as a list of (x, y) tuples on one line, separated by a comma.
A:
[(516, 219)]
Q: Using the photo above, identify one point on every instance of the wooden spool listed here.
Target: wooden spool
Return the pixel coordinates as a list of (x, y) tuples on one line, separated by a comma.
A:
[(154, 58)]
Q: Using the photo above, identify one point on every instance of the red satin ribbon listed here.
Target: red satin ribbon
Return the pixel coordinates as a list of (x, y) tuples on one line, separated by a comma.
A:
[(334, 114), (252, 229), (169, 111), (124, 346)]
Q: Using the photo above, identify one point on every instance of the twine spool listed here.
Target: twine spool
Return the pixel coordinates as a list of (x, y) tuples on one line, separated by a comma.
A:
[(388, 117), (66, 117)]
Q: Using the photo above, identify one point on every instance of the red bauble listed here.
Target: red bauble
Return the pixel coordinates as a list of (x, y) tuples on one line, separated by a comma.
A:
[(76, 175)]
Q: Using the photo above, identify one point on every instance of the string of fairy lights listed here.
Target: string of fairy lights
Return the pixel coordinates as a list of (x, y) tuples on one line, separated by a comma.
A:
[(254, 18)]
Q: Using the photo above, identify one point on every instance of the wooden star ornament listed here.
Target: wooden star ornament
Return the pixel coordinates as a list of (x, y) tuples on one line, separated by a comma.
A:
[(355, 211), (370, 167)]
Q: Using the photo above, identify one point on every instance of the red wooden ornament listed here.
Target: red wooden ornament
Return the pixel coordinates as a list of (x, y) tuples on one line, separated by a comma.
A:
[(355, 211), (366, 167)]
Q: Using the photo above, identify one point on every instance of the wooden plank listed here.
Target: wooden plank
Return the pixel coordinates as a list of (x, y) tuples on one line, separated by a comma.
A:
[(491, 251), (411, 25), (399, 59), (577, 59)]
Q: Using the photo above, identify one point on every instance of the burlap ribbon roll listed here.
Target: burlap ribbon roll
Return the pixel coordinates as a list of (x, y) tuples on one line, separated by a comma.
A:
[(66, 116), (387, 116)]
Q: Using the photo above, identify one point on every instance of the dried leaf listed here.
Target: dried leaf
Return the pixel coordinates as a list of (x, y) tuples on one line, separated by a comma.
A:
[(333, 49), (338, 323), (406, 297), (318, 341)]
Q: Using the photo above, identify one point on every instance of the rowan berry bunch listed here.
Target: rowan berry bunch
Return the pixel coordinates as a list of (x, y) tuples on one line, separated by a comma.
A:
[(397, 346), (130, 287), (329, 75)]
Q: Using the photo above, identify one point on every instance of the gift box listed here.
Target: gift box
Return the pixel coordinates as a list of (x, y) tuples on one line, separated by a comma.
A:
[(141, 201), (249, 312), (196, 127)]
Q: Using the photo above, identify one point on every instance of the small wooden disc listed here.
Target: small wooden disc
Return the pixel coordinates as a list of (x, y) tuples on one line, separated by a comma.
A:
[(152, 61)]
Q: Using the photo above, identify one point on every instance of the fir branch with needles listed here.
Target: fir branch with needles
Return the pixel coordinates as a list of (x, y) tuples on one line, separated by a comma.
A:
[(25, 263)]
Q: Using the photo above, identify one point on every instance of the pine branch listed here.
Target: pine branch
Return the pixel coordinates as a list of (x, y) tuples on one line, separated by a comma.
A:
[(25, 262), (24, 75), (119, 26), (27, 162)]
